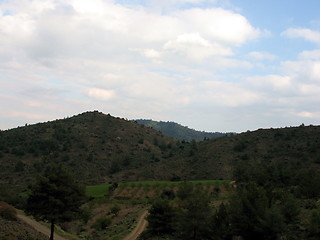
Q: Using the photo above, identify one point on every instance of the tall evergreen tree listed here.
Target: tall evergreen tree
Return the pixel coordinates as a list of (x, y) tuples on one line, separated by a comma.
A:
[(221, 225), (195, 216), (253, 216), (161, 218), (55, 197)]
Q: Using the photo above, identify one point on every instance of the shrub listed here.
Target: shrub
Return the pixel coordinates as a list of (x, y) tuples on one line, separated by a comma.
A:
[(102, 223), (115, 210), (7, 211), (240, 147), (85, 215), (313, 224), (168, 194)]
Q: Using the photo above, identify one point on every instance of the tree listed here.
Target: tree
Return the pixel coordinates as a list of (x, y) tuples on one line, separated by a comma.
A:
[(185, 190), (221, 224), (313, 225), (55, 197), (194, 216), (252, 215), (161, 218)]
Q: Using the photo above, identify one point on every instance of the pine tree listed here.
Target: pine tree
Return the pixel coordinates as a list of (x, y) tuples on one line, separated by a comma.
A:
[(55, 197), (194, 217)]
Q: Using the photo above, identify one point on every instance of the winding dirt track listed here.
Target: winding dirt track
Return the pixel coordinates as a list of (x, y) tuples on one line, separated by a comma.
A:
[(37, 226), (141, 226)]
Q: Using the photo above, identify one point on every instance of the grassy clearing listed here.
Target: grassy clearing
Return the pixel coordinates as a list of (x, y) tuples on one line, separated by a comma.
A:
[(97, 191), (101, 190)]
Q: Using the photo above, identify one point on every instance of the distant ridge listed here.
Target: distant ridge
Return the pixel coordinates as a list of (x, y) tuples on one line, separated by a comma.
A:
[(180, 132)]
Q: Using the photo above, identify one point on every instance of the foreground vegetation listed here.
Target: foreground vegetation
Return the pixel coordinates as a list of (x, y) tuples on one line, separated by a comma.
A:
[(110, 202), (272, 201), (111, 210), (276, 171)]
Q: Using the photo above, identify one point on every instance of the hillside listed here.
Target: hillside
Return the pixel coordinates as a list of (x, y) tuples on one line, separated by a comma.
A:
[(221, 156), (180, 132), (12, 227), (18, 230), (99, 148), (96, 147)]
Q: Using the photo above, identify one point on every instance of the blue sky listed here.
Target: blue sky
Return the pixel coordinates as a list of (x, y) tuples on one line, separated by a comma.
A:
[(213, 65)]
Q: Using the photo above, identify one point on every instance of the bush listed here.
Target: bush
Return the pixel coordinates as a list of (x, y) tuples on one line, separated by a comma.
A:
[(7, 211), (85, 215), (102, 223), (240, 147), (168, 194), (115, 210), (313, 225)]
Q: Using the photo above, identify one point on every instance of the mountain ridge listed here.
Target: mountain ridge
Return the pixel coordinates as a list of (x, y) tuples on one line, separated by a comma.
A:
[(178, 131)]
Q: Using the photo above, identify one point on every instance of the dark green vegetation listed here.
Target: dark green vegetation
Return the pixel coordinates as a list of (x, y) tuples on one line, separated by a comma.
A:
[(150, 188), (180, 132), (113, 207), (186, 217), (276, 173), (99, 148), (271, 201), (55, 197)]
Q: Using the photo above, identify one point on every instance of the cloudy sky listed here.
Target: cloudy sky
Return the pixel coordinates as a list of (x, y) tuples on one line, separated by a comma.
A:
[(213, 65)]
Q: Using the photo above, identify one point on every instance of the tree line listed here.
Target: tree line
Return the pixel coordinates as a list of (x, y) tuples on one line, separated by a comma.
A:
[(271, 201)]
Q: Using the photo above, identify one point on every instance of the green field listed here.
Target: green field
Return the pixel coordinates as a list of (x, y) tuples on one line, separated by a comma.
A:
[(101, 190), (97, 190)]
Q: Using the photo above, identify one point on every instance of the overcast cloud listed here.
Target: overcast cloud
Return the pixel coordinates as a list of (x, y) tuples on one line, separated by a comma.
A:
[(200, 63)]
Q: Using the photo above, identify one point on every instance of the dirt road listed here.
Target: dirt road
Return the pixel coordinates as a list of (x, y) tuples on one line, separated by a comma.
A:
[(141, 226), (37, 226)]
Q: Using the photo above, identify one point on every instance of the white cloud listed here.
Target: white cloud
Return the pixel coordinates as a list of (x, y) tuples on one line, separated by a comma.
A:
[(219, 25), (148, 53), (101, 94), (170, 5), (305, 71), (222, 64), (274, 82), (96, 7), (305, 33), (194, 47), (140, 60), (46, 30), (261, 56), (228, 94), (30, 116), (306, 114), (309, 89), (310, 55)]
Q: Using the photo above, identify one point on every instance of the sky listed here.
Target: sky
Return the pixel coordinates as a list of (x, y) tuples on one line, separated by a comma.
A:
[(211, 65)]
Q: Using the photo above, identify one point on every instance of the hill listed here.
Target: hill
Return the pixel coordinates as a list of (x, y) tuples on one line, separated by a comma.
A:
[(96, 147), (219, 157), (99, 148), (180, 132)]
